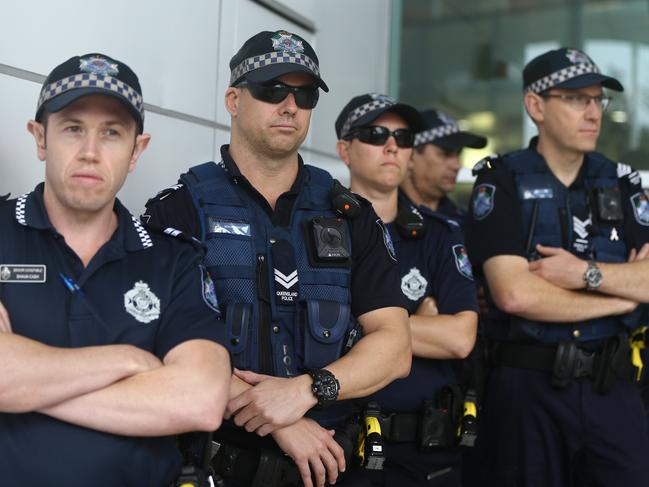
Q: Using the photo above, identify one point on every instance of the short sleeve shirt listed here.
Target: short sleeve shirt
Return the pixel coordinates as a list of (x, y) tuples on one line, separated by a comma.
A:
[(142, 289)]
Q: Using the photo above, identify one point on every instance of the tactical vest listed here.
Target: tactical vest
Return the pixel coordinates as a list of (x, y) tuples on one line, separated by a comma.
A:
[(556, 216), (267, 328)]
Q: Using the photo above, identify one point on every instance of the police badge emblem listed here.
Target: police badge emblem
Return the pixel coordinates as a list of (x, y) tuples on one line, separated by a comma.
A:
[(284, 41), (5, 274), (483, 200), (577, 57), (141, 303), (640, 203), (98, 65), (462, 261), (413, 285)]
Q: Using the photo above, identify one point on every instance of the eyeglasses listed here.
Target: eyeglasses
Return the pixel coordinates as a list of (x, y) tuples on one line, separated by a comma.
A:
[(377, 135), (580, 101), (275, 92)]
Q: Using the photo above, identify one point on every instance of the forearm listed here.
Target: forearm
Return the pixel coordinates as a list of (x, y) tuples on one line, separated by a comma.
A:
[(443, 336), (543, 301), (381, 356), (629, 280), (37, 375), (184, 395)]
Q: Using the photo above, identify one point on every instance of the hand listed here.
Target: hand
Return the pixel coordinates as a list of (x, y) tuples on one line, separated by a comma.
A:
[(271, 403), (428, 307), (642, 254), (5, 322), (314, 451), (559, 267)]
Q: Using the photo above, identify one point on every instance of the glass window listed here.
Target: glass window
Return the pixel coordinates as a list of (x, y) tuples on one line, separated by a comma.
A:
[(466, 57)]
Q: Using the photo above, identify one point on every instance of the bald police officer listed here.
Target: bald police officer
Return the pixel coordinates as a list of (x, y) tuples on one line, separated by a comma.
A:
[(297, 260), (107, 331), (560, 233)]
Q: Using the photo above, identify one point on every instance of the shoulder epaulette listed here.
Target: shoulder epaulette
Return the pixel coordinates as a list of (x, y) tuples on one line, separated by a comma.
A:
[(626, 171), (486, 163), (161, 195), (175, 233)]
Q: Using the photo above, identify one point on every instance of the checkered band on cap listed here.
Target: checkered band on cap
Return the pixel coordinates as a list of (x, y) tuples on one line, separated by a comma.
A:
[(275, 57), (359, 112), (560, 76), (91, 80), (428, 136)]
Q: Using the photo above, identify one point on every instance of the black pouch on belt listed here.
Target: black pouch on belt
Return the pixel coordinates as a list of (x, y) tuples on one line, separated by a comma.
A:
[(440, 419), (610, 363)]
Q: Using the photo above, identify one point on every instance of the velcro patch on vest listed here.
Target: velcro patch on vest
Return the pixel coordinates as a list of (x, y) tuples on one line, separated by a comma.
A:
[(285, 274), (23, 273), (228, 226)]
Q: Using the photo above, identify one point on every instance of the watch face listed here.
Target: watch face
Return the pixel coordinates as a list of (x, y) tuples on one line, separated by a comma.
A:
[(593, 277), (325, 386)]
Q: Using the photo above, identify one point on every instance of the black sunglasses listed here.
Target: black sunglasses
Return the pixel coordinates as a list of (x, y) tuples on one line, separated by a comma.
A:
[(377, 135), (275, 92)]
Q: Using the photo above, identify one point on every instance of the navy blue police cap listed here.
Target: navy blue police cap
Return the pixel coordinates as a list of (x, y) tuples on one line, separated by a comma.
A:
[(565, 68), (268, 55), (91, 74), (443, 130), (364, 109)]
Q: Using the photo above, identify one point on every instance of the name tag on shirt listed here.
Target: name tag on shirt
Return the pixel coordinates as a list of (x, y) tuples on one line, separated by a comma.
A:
[(23, 273)]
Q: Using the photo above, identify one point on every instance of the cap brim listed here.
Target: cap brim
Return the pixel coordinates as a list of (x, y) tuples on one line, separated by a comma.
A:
[(274, 71), (409, 114), (591, 79), (460, 140), (63, 100)]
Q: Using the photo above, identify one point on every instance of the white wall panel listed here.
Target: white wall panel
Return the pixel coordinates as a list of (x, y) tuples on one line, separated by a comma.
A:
[(20, 169), (171, 45), (181, 52), (175, 146)]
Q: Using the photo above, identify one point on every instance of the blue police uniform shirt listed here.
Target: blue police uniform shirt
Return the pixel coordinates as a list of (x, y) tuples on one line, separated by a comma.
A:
[(448, 207), (434, 265), (495, 224), (141, 289)]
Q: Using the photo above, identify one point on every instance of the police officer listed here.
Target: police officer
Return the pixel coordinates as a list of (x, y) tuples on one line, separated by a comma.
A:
[(420, 413), (108, 331), (436, 163), (560, 233), (432, 176), (296, 260)]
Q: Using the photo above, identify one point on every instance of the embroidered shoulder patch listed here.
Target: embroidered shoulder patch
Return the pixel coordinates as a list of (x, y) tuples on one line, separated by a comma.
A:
[(483, 200), (209, 291), (462, 261), (640, 203)]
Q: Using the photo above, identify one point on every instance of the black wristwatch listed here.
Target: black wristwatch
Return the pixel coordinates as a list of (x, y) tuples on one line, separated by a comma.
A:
[(592, 276), (325, 386)]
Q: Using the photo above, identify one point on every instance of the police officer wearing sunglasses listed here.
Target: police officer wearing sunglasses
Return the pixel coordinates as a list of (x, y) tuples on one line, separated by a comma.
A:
[(419, 414), (304, 272), (561, 235)]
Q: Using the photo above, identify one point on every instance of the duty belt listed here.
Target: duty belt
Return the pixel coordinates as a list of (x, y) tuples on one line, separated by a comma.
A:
[(567, 361)]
